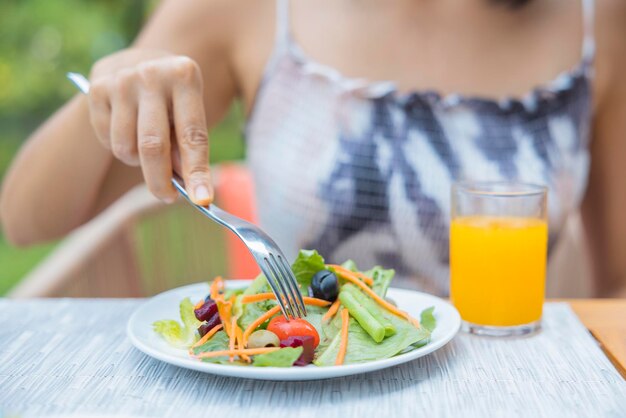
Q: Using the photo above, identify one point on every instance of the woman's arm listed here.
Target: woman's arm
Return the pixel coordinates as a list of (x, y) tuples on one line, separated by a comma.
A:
[(63, 176), (604, 206)]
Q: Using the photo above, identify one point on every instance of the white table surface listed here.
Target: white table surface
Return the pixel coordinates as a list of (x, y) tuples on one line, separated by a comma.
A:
[(71, 357)]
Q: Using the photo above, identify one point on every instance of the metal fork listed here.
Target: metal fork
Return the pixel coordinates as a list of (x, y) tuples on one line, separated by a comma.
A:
[(266, 253)]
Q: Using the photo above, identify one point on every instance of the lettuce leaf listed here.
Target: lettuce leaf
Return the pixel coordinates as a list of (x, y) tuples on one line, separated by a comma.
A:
[(176, 334), (305, 266), (285, 357), (258, 285), (382, 277), (218, 342), (362, 348), (427, 319), (314, 317), (249, 312), (172, 332), (350, 265)]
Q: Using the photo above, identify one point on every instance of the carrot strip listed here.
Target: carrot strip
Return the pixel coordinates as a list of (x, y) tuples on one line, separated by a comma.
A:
[(257, 298), (332, 310), (361, 276), (349, 276), (248, 351), (216, 287), (239, 336), (206, 337), (199, 305), (267, 315), (233, 336), (223, 310), (267, 296), (343, 346)]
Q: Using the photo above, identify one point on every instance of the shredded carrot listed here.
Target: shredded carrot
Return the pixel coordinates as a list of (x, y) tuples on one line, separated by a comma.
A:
[(361, 276), (223, 309), (216, 287), (232, 343), (257, 298), (349, 276), (240, 346), (343, 346), (248, 352), (206, 337), (257, 322), (267, 296), (199, 305), (332, 310)]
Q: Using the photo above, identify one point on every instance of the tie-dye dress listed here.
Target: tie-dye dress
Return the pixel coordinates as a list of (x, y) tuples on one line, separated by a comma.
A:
[(358, 170)]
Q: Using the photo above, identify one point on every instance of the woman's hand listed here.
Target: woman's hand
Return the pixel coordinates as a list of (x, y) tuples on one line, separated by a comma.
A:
[(146, 106)]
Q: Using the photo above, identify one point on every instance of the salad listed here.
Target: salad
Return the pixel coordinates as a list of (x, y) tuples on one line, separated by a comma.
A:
[(349, 320)]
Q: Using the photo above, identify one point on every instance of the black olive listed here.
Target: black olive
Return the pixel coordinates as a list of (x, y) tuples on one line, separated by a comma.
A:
[(325, 285)]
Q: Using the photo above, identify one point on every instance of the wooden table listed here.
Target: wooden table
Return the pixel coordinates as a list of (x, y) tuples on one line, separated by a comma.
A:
[(606, 320)]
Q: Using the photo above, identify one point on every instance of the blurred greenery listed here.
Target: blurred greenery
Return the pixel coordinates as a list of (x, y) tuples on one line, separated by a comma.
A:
[(40, 40)]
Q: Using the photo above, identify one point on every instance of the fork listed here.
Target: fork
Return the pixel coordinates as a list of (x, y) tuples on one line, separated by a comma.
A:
[(266, 253)]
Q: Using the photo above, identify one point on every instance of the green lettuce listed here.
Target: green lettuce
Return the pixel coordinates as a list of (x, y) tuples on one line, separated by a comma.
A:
[(177, 334), (362, 348), (305, 266), (218, 342), (314, 317), (427, 319), (258, 285), (381, 277), (285, 357), (350, 265), (249, 312)]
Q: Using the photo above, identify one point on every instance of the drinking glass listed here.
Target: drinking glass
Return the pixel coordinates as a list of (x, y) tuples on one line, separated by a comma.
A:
[(498, 252)]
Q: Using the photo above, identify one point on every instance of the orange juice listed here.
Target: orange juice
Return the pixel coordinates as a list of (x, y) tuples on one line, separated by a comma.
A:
[(498, 269)]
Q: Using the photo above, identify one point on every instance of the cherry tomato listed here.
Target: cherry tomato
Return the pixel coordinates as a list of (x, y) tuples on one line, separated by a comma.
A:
[(293, 328)]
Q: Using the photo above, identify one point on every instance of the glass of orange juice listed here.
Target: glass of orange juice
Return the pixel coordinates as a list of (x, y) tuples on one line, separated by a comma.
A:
[(498, 252)]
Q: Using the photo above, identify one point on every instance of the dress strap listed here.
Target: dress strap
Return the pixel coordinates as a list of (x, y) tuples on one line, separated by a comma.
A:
[(589, 43), (283, 27)]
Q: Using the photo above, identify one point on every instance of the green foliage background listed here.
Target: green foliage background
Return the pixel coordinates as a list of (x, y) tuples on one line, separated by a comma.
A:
[(40, 40)]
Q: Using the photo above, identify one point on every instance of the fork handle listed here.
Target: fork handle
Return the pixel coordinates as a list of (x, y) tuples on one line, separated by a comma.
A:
[(212, 211)]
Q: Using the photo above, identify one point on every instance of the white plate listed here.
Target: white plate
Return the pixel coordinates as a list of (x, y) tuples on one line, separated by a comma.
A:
[(165, 306)]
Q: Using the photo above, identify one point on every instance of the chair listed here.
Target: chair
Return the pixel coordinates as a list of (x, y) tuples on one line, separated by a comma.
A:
[(139, 247)]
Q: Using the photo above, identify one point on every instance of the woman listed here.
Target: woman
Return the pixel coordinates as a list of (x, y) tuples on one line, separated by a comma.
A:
[(354, 168)]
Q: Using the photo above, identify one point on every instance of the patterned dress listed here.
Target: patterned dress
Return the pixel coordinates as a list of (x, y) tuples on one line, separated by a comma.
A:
[(356, 169)]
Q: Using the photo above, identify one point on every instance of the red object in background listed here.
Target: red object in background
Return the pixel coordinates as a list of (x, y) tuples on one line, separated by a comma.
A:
[(235, 194)]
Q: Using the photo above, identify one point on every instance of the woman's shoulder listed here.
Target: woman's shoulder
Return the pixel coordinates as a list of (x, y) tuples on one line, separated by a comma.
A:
[(610, 40), (222, 22)]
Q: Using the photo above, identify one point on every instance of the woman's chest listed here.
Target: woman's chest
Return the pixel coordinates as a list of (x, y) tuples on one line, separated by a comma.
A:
[(323, 151)]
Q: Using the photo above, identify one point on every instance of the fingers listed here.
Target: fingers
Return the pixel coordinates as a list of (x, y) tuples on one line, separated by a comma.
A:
[(191, 133), (153, 142), (124, 120), (100, 112)]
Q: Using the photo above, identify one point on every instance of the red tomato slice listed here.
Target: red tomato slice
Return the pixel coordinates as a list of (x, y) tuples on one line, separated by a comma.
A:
[(293, 328)]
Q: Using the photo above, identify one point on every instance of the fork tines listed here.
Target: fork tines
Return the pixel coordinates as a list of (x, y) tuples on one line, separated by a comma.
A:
[(284, 285)]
